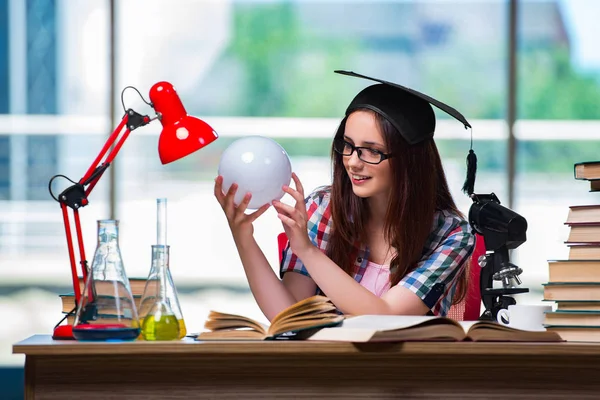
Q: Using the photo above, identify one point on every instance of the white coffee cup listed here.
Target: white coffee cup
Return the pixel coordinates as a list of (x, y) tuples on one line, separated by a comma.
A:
[(524, 316)]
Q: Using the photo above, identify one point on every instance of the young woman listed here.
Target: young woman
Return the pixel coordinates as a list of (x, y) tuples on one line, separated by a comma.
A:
[(386, 237)]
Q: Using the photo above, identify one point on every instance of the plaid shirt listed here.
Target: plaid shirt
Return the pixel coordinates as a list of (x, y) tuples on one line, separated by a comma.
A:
[(448, 246)]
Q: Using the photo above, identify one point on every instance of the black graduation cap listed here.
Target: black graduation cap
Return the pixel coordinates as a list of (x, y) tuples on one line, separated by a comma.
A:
[(411, 114)]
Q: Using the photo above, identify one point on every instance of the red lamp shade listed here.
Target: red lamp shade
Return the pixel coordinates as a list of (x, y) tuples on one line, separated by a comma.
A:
[(182, 134)]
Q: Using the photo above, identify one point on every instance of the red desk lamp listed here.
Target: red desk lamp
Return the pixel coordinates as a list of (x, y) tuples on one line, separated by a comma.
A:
[(181, 135)]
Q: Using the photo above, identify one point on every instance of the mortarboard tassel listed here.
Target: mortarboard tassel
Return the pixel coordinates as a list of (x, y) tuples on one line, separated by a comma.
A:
[(469, 185)]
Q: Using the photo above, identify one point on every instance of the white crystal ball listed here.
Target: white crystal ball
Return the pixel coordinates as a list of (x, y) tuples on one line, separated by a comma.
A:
[(258, 165)]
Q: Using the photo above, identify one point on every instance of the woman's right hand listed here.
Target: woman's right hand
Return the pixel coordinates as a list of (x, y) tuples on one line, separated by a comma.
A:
[(240, 223)]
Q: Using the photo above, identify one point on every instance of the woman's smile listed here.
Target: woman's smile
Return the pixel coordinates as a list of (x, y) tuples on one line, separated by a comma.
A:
[(358, 179)]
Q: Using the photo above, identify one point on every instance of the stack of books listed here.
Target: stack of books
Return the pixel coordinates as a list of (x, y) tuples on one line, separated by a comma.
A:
[(574, 284), (68, 299)]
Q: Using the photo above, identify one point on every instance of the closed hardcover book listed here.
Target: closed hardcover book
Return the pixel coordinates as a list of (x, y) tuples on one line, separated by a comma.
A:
[(584, 233), (572, 318), (583, 214), (587, 170), (68, 302), (583, 251), (576, 333), (578, 291), (574, 270), (574, 305), (137, 285)]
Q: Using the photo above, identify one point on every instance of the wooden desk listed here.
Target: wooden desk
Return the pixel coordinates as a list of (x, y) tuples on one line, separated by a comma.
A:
[(295, 369)]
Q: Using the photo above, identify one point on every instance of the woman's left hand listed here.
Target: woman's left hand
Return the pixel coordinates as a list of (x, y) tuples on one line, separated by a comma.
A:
[(295, 218)]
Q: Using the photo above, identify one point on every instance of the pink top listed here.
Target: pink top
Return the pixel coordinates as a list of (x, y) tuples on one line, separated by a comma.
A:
[(376, 278)]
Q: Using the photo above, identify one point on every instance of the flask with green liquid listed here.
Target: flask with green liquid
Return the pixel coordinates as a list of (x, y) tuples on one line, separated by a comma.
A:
[(159, 312)]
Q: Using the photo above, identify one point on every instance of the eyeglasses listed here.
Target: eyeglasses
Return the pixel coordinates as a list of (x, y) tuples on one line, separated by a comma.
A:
[(366, 154)]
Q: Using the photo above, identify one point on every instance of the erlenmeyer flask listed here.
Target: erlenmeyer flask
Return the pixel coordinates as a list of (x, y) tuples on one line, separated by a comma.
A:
[(156, 284), (160, 314), (107, 310)]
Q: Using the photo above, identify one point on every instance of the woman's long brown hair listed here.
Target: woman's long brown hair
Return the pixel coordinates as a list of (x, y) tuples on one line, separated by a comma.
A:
[(420, 189)]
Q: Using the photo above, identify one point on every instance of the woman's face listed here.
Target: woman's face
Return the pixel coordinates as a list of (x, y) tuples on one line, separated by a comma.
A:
[(368, 180)]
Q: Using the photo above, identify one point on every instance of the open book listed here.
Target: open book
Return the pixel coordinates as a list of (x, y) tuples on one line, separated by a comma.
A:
[(297, 321), (392, 328)]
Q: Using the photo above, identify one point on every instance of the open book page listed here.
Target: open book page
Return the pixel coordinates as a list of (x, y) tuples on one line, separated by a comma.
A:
[(489, 331), (384, 328), (224, 326), (307, 315), (231, 334), (307, 322), (218, 320), (396, 328), (387, 322), (308, 305), (311, 312)]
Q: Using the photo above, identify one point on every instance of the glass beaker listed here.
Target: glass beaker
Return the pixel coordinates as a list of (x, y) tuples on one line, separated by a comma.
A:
[(160, 313), (107, 310)]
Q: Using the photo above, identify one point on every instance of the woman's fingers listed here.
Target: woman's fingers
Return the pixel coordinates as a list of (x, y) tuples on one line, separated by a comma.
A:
[(230, 195), (286, 220), (298, 184), (259, 212), (219, 190), (232, 189), (241, 208), (283, 208), (295, 195)]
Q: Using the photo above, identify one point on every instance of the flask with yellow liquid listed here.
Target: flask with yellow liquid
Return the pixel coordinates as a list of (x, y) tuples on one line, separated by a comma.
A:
[(158, 308), (159, 312)]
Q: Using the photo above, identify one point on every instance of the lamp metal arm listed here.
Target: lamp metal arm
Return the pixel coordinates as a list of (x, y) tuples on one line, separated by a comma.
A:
[(76, 195)]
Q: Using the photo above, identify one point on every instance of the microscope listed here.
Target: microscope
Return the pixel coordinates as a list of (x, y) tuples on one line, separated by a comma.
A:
[(502, 230)]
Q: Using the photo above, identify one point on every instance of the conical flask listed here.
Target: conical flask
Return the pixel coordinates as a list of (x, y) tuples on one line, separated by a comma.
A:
[(160, 314), (160, 288), (107, 310)]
